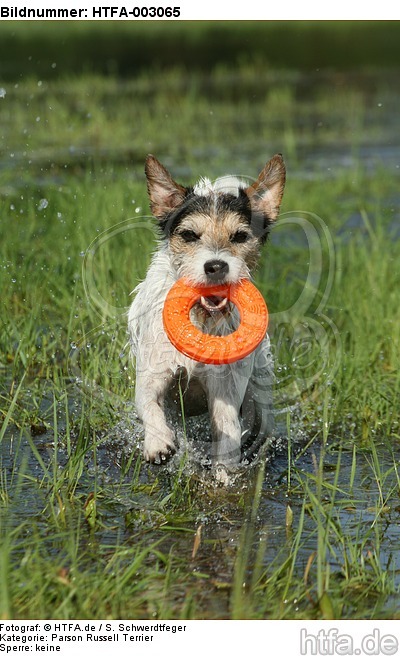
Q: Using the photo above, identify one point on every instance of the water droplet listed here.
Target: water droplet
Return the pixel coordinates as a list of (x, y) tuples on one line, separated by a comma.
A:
[(43, 203)]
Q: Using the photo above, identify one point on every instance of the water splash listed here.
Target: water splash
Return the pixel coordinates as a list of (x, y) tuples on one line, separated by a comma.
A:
[(43, 204)]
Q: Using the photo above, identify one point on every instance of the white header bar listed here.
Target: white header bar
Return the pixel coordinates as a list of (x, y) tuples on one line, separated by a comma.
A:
[(219, 10)]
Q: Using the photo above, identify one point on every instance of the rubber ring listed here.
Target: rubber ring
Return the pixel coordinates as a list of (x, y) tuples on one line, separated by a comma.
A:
[(215, 349)]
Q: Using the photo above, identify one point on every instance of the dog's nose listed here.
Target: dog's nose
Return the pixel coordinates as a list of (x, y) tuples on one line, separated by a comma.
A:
[(216, 270)]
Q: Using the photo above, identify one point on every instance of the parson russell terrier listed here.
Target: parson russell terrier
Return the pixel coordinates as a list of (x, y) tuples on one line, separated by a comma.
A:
[(212, 233)]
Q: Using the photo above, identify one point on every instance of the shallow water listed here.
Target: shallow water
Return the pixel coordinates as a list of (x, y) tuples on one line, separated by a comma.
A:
[(356, 508)]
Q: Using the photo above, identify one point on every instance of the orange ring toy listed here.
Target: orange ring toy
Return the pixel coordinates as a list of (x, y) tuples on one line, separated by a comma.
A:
[(215, 349)]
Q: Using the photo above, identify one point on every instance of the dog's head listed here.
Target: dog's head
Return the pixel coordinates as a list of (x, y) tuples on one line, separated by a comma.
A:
[(215, 230)]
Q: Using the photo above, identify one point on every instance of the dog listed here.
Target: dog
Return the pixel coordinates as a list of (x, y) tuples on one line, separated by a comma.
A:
[(211, 233)]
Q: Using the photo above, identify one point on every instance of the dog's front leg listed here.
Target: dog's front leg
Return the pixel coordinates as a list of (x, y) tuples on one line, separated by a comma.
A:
[(225, 392), (158, 437), (226, 431)]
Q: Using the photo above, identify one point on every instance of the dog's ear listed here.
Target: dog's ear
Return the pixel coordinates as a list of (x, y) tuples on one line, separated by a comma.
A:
[(165, 194), (266, 193)]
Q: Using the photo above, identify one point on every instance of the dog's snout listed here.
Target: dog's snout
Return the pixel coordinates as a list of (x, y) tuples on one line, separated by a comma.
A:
[(216, 270)]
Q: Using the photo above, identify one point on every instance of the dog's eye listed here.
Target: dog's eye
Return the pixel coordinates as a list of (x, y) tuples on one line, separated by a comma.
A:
[(189, 236), (240, 237)]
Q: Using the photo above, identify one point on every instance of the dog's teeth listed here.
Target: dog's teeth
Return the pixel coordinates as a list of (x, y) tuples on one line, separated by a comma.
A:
[(213, 303)]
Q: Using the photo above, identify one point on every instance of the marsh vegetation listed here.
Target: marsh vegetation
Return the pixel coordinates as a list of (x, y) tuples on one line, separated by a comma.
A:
[(88, 529)]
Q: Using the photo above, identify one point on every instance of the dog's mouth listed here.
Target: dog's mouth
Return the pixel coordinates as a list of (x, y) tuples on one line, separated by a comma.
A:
[(213, 303)]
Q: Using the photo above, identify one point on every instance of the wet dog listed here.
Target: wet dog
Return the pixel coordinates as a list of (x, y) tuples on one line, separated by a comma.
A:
[(212, 233)]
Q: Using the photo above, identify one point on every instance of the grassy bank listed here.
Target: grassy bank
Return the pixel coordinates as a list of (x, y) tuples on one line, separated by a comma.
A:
[(88, 530)]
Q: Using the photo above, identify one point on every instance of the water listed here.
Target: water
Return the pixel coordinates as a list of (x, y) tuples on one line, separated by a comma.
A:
[(288, 112), (358, 507)]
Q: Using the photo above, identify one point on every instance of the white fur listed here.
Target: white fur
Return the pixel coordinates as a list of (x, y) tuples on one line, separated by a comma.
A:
[(227, 184)]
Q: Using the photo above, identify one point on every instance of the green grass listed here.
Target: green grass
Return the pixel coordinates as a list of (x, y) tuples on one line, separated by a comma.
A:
[(87, 529)]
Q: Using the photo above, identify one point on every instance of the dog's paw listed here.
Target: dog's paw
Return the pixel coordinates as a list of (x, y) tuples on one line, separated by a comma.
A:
[(158, 449), (221, 475)]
